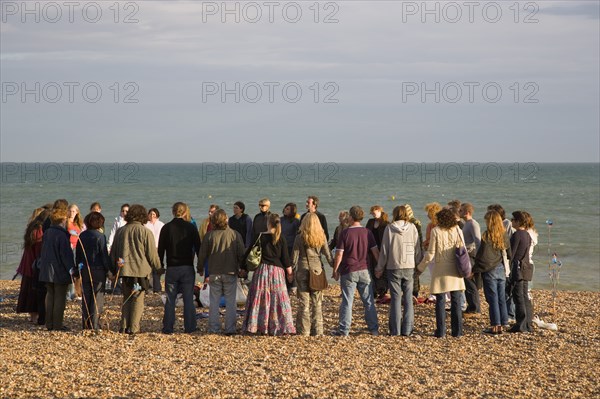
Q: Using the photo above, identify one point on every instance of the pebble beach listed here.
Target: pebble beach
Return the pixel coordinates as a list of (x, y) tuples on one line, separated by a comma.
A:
[(35, 363)]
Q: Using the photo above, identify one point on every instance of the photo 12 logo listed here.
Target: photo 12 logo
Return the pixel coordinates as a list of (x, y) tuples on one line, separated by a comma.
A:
[(269, 92), (453, 12), (252, 172), (53, 12), (69, 92), (469, 92), (469, 172), (69, 172), (253, 12)]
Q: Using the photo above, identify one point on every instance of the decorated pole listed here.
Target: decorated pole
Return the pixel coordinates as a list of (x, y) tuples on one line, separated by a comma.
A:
[(554, 266)]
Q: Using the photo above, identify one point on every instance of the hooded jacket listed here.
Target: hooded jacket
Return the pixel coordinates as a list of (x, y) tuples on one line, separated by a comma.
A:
[(400, 246)]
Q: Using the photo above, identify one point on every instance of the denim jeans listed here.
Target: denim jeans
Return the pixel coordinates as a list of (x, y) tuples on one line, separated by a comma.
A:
[(401, 287), (494, 288), (472, 296), (455, 314), (222, 285), (179, 279), (349, 283)]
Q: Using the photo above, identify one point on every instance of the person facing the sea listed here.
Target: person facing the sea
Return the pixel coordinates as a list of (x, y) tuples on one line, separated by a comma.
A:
[(312, 203), (241, 222), (521, 273), (57, 263), (179, 241), (154, 224), (400, 247), (472, 234), (309, 245), (134, 250), (444, 276), (268, 308), (224, 249), (377, 225), (418, 225), (351, 269), (489, 261), (94, 264), (290, 224)]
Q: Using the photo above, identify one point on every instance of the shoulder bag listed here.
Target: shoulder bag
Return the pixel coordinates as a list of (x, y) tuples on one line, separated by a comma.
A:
[(317, 280), (254, 256), (463, 261)]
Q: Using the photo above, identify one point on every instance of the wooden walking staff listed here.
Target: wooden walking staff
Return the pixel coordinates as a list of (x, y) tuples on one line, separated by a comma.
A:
[(554, 266)]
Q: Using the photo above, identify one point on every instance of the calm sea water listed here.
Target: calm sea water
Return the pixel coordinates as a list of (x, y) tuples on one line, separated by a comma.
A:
[(567, 194)]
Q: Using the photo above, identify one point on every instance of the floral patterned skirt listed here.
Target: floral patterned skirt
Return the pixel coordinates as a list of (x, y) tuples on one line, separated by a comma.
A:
[(268, 308)]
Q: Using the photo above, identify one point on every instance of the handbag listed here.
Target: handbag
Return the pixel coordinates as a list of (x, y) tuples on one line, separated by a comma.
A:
[(317, 280), (254, 256), (463, 261)]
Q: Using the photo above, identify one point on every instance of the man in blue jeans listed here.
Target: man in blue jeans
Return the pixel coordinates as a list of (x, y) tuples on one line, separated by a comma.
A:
[(180, 241), (350, 268)]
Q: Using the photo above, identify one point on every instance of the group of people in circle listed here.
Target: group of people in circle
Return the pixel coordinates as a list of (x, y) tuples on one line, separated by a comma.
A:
[(382, 260)]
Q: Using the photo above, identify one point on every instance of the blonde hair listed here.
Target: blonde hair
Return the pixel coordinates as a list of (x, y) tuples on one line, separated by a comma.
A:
[(275, 223), (312, 232), (432, 209), (77, 220), (495, 230)]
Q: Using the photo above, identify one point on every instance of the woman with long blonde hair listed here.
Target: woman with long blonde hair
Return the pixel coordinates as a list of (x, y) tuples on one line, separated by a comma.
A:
[(268, 308), (309, 245), (490, 262)]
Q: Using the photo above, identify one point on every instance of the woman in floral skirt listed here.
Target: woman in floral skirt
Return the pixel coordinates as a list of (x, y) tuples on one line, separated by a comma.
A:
[(268, 308)]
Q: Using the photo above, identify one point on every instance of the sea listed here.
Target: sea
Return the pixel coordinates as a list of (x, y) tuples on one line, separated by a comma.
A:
[(563, 198)]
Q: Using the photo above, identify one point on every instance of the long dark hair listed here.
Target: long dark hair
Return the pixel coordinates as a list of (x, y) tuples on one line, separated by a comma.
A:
[(36, 223)]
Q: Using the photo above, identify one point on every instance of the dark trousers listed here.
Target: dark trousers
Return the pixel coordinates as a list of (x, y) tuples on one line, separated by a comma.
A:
[(456, 320), (523, 307), (416, 285), (472, 296), (92, 303), (155, 282), (56, 300), (41, 301)]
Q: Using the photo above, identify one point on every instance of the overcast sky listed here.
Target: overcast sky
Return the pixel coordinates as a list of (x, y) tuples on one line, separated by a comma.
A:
[(347, 81)]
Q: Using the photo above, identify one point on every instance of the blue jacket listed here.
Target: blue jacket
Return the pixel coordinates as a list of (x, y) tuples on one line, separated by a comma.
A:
[(57, 256), (95, 252)]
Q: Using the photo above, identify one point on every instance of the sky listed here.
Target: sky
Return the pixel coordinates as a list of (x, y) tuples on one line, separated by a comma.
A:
[(302, 81)]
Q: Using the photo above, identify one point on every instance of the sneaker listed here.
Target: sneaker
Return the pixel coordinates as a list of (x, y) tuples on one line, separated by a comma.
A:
[(494, 330)]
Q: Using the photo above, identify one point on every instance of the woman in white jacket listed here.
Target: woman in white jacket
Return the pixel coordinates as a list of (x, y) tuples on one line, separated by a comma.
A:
[(400, 246)]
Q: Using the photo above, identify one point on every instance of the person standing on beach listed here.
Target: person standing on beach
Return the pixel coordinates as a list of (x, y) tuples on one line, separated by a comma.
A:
[(268, 308), (472, 234), (96, 207), (119, 222), (241, 222), (412, 219), (32, 293), (351, 269), (290, 224), (224, 249), (57, 264), (444, 276), (134, 250), (179, 240), (155, 225), (312, 203), (343, 225), (308, 247), (205, 227), (400, 247), (521, 273), (377, 225), (259, 224), (489, 261), (92, 254)]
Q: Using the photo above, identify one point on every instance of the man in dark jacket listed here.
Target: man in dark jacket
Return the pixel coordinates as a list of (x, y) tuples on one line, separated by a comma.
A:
[(179, 240), (312, 203)]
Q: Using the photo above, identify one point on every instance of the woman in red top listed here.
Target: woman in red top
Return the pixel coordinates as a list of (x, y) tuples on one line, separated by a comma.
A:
[(74, 225)]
